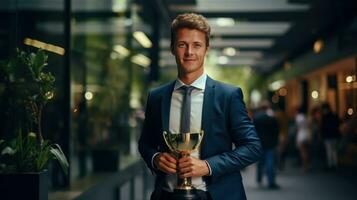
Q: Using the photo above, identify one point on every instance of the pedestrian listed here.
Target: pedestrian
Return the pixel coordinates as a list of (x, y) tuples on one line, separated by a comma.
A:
[(330, 134), (302, 138), (267, 127)]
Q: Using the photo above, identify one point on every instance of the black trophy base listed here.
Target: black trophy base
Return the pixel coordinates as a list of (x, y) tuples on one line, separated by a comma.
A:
[(181, 194)]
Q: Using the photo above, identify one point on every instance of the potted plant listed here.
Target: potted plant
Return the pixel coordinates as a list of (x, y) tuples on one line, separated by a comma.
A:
[(25, 88)]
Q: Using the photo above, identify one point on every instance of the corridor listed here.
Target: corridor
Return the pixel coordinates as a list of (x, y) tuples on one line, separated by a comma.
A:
[(295, 185), (76, 77)]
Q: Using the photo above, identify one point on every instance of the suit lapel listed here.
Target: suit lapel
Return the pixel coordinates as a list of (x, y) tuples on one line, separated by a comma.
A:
[(165, 106), (207, 111)]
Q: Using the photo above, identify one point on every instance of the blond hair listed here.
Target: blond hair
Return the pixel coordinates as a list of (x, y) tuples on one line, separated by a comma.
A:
[(190, 21)]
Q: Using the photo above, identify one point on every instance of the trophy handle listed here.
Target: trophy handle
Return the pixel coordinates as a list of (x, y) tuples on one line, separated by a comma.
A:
[(200, 134), (165, 135)]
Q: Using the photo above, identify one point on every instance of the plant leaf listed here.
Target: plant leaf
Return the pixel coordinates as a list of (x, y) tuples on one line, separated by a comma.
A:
[(39, 62), (57, 152), (43, 156)]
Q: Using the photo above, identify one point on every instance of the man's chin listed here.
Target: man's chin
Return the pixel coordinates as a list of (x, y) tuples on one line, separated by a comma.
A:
[(189, 69)]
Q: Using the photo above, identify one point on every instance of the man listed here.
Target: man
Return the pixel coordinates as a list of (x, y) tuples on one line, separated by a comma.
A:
[(216, 108), (268, 131), (330, 130)]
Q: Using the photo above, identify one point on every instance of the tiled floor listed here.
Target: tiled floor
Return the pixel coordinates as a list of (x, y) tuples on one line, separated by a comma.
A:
[(316, 184), (295, 185)]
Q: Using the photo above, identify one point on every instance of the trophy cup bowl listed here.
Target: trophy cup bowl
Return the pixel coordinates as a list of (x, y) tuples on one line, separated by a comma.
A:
[(183, 144)]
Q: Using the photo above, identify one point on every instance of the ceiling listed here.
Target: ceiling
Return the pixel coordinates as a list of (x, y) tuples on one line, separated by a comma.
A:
[(263, 34)]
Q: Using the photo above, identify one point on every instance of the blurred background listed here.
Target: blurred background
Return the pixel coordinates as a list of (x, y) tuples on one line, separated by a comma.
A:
[(107, 54)]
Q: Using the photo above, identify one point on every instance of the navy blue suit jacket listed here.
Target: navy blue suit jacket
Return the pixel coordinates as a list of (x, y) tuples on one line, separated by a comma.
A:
[(224, 121)]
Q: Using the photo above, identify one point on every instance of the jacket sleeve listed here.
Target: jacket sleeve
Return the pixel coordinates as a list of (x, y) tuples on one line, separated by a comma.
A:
[(147, 145), (243, 134)]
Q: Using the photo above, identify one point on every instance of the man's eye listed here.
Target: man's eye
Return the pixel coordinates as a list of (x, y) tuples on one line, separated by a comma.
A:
[(180, 45), (198, 45)]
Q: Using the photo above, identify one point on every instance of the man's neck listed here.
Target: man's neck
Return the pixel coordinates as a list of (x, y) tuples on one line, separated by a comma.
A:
[(188, 79)]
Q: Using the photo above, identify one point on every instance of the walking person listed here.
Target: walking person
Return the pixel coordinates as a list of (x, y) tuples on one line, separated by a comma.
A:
[(302, 138), (267, 127), (330, 134)]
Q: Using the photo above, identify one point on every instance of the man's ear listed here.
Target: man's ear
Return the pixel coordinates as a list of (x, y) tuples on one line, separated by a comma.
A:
[(173, 51)]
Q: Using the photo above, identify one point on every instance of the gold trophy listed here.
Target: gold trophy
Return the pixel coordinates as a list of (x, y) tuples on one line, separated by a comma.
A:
[(183, 144)]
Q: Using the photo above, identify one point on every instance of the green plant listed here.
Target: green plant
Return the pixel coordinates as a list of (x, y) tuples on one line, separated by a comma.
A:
[(26, 88), (25, 154)]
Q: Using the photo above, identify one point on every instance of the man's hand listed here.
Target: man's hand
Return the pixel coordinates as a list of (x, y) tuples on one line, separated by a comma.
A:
[(192, 167), (166, 163)]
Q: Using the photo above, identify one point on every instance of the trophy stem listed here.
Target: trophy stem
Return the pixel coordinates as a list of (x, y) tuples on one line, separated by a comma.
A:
[(182, 144), (185, 183)]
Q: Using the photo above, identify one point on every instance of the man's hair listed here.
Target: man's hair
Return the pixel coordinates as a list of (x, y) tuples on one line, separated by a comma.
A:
[(190, 21)]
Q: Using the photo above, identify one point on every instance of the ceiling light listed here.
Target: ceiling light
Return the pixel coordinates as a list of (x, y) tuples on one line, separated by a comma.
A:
[(315, 94), (222, 60), (277, 85), (242, 43), (141, 60), (212, 6), (88, 96), (318, 45), (252, 28), (241, 61), (113, 55), (142, 39), (41, 45), (121, 50), (118, 6), (255, 96), (229, 51), (236, 43), (350, 111), (225, 22), (253, 54), (349, 79)]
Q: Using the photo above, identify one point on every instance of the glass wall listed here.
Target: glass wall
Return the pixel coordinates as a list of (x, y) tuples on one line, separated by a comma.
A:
[(27, 25), (108, 74), (97, 109)]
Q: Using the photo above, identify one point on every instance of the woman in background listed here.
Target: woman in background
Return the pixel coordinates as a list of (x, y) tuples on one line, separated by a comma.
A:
[(302, 138)]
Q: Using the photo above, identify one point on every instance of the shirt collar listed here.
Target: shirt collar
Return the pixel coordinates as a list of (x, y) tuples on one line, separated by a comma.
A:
[(199, 83)]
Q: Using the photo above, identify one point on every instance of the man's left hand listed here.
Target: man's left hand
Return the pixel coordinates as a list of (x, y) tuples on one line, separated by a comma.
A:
[(192, 167)]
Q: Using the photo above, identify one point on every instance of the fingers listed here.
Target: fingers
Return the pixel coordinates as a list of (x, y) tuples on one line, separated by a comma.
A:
[(186, 167), (170, 158), (166, 163), (185, 162), (192, 167)]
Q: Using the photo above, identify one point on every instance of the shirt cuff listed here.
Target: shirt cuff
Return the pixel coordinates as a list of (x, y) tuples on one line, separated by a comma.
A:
[(209, 168), (152, 160)]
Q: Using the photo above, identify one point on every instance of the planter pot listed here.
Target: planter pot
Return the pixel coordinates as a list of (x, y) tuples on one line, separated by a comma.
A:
[(29, 186)]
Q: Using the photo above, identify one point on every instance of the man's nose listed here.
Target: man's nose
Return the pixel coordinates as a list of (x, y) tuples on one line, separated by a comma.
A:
[(189, 50)]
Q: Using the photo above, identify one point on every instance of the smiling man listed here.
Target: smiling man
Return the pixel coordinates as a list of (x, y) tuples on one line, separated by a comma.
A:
[(216, 108)]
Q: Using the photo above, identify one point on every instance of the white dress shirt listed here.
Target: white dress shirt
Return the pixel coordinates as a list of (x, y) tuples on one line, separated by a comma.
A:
[(195, 122)]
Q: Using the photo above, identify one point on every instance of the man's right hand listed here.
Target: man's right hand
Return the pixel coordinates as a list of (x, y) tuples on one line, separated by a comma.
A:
[(165, 162)]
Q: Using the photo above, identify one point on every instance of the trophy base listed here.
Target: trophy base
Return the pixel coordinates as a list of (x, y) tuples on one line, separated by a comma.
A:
[(182, 194)]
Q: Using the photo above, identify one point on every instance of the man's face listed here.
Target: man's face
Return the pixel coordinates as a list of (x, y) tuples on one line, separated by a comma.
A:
[(190, 50)]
